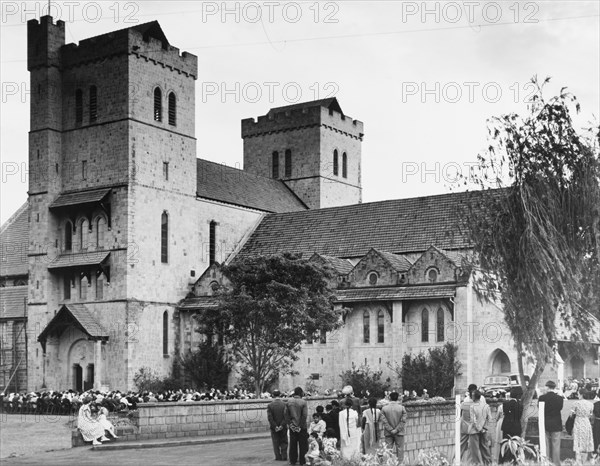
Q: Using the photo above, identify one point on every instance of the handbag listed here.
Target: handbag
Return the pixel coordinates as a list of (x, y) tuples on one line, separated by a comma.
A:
[(570, 423)]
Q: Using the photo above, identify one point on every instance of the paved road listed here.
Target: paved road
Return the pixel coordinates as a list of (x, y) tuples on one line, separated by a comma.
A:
[(246, 452)]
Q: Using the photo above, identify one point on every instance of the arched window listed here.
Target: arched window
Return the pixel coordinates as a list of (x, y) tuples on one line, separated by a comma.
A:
[(67, 283), (344, 165), (164, 238), (100, 286), (157, 104), (440, 324), (366, 327), (83, 288), (212, 242), (165, 323), (93, 104), (380, 327), (275, 165), (83, 235), (100, 229), (288, 163), (335, 162), (78, 106), (172, 109), (425, 325), (68, 236)]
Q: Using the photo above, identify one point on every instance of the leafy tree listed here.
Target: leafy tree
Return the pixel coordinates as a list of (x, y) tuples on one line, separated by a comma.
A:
[(536, 239), (362, 379), (146, 379), (208, 366), (269, 307), (435, 370)]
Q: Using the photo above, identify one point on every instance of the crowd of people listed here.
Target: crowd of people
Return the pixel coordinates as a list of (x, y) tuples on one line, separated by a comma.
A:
[(341, 428), (68, 402), (476, 438)]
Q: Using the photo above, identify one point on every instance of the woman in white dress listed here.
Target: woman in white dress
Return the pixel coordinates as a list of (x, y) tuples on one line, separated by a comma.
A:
[(583, 440), (372, 426), (350, 432), (88, 425)]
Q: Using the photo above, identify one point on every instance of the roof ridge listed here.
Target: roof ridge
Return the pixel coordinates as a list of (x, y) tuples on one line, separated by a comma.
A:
[(13, 218)]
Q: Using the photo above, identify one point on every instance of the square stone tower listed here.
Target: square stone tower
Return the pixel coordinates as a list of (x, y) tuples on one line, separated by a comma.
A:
[(112, 156), (313, 147)]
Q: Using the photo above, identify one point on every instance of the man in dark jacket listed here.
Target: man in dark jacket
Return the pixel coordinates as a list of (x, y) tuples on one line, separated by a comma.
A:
[(276, 417), (296, 413), (553, 404)]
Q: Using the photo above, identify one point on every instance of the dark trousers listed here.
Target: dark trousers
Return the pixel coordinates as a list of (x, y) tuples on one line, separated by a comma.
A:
[(298, 446), (280, 444)]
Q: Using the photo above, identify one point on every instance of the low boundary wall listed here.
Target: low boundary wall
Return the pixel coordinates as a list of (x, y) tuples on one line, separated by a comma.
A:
[(429, 424)]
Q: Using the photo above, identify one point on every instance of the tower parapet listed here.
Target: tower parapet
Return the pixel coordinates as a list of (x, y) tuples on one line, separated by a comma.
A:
[(312, 146)]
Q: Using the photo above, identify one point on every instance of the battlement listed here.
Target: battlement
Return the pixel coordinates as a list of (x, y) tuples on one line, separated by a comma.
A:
[(301, 116), (44, 42), (146, 41)]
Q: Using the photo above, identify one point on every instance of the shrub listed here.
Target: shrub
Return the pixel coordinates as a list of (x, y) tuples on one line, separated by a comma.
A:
[(146, 379), (362, 379), (208, 367)]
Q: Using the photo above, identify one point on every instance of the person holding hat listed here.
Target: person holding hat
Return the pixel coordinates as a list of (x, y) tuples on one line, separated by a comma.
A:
[(296, 413), (553, 404), (279, 430)]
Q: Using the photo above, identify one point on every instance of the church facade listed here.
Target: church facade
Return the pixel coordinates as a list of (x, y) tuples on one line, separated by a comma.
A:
[(123, 222)]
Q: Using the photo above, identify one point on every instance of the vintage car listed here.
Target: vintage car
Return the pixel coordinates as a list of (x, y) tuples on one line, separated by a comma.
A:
[(497, 385)]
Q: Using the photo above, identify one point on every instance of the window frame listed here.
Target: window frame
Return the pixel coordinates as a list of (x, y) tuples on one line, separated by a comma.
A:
[(366, 327), (425, 325), (164, 237), (336, 163), (380, 327), (157, 96), (172, 99)]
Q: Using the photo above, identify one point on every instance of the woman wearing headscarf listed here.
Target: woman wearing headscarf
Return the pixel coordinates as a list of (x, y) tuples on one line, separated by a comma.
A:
[(90, 428), (349, 431), (372, 427)]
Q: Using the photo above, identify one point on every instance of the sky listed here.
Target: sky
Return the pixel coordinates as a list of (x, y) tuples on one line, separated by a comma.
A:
[(423, 77)]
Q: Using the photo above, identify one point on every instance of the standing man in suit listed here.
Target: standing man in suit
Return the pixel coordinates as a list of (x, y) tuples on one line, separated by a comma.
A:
[(479, 440), (276, 417), (553, 403), (465, 414), (393, 416), (296, 413)]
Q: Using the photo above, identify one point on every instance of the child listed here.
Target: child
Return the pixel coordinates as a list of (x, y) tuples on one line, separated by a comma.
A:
[(314, 451), (105, 423), (329, 444), (317, 426)]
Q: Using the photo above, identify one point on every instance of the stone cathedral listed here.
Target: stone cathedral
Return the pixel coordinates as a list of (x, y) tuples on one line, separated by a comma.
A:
[(119, 242)]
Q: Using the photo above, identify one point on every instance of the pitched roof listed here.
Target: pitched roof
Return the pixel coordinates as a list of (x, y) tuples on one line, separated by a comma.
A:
[(330, 103), (396, 293), (398, 263), (13, 302), (74, 314), (233, 186), (343, 266), (14, 237), (397, 226)]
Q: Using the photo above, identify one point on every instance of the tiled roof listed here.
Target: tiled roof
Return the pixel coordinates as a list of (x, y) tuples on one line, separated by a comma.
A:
[(396, 226), (199, 302), (74, 314), (87, 197), (13, 302), (399, 263), (232, 186), (77, 260), (330, 103), (342, 266), (395, 293), (14, 238)]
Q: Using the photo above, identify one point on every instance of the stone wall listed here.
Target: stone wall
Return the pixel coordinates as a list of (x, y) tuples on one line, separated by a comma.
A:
[(429, 425)]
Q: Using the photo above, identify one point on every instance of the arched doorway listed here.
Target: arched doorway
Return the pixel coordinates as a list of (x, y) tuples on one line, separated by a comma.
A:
[(77, 377), (81, 360), (577, 366), (500, 362)]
